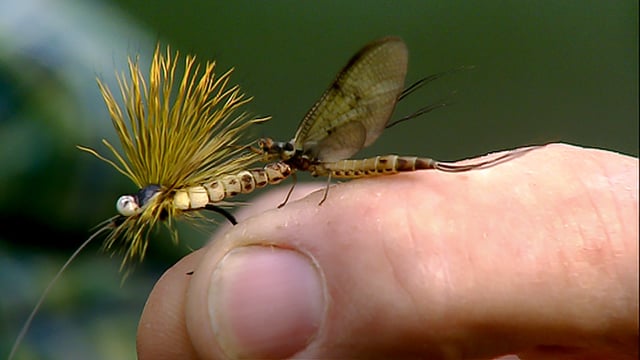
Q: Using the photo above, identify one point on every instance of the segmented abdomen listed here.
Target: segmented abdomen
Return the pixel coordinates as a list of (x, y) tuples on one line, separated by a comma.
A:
[(379, 165), (244, 182)]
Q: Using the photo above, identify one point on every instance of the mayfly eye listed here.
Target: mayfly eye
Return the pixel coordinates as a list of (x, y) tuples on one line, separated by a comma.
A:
[(127, 205)]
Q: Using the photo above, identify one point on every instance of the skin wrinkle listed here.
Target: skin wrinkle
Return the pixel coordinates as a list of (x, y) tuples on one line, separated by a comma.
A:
[(587, 184), (430, 273), (594, 253), (617, 248), (613, 240), (561, 261), (434, 272), (556, 229), (594, 250), (396, 271), (410, 235), (393, 270), (564, 258), (339, 289)]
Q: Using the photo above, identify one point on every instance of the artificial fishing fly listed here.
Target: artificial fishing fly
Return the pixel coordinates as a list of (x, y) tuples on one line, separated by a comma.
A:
[(183, 145), (173, 143), (183, 151)]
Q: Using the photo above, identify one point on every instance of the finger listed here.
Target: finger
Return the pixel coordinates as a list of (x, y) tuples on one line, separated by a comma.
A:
[(538, 253), (162, 330)]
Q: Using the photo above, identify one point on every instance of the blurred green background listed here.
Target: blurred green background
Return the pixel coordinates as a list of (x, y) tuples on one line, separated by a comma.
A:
[(544, 71)]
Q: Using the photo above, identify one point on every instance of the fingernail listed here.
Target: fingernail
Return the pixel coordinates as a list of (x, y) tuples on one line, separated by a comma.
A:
[(265, 302)]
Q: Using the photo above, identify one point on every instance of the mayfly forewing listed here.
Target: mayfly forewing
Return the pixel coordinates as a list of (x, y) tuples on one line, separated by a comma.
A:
[(364, 92), (343, 142)]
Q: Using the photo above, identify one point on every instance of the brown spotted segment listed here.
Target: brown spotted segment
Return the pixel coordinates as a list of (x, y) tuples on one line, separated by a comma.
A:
[(277, 171), (247, 182), (231, 185), (244, 182)]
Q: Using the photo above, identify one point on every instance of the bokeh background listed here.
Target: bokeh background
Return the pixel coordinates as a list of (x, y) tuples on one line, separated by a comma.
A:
[(544, 71)]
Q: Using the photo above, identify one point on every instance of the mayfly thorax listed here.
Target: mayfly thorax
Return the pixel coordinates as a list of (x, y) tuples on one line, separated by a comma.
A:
[(352, 113)]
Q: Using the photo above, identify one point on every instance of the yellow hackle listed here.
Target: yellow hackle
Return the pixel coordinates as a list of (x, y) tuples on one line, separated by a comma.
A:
[(172, 135)]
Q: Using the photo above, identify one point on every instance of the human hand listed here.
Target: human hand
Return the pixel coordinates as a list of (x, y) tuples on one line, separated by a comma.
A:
[(537, 257)]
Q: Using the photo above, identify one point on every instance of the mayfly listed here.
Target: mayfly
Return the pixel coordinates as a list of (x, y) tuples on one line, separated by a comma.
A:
[(182, 147), (352, 114)]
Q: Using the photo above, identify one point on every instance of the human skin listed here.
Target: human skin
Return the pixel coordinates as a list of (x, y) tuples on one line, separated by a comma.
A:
[(537, 256)]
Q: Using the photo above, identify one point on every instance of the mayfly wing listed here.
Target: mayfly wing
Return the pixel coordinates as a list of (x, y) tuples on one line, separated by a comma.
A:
[(343, 142), (355, 109)]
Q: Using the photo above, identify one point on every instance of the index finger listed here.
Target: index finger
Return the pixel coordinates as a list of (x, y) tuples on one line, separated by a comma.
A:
[(537, 251)]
